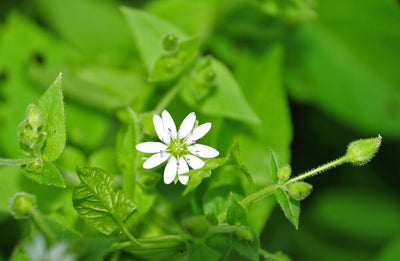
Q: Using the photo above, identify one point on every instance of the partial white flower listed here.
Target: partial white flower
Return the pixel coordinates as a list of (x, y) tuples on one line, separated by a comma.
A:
[(178, 147), (36, 250)]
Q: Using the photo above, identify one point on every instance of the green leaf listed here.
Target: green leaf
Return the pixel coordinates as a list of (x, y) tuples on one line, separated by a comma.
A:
[(95, 201), (197, 175), (199, 251), (51, 106), (148, 31), (275, 163), (225, 99), (236, 214), (104, 158), (290, 207), (216, 199), (344, 70), (46, 174)]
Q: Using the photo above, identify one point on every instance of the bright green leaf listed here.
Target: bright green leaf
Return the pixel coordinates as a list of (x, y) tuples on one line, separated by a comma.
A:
[(95, 201), (51, 106), (46, 174), (290, 207), (199, 251), (236, 214)]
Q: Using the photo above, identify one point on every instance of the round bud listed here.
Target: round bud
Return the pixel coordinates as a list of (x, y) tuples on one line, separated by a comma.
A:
[(171, 64), (300, 190), (209, 76), (284, 173), (21, 204), (34, 166), (196, 226), (170, 43), (361, 151), (33, 116), (244, 233)]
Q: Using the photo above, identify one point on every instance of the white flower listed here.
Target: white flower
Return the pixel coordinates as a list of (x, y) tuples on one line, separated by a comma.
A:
[(178, 147)]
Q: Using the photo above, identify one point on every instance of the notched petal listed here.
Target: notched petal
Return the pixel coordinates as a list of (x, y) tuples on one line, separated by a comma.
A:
[(187, 125), (199, 132), (169, 124), (203, 151), (151, 147), (160, 130), (155, 160), (170, 170), (194, 162)]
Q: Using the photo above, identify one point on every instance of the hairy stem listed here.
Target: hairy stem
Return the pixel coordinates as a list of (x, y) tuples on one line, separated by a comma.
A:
[(16, 162)]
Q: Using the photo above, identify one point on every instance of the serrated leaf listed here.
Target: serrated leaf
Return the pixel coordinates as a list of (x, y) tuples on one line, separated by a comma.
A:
[(51, 106), (148, 30), (275, 163), (47, 174), (225, 98), (236, 214), (95, 201), (289, 206)]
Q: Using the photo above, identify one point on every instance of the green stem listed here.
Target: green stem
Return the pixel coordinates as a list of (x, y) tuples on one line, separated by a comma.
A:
[(319, 169), (258, 195), (129, 235), (269, 256), (168, 97), (38, 220), (246, 172), (15, 162)]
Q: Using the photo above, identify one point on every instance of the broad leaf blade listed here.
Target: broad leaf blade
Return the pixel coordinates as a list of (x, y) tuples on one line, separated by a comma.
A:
[(47, 174), (51, 106), (290, 207), (95, 201)]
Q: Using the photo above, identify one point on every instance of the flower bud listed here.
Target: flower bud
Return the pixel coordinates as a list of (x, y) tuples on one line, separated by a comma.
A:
[(361, 151), (171, 64), (300, 190), (244, 233), (32, 115), (26, 133), (34, 166), (284, 173), (196, 226), (209, 76), (21, 204), (170, 43)]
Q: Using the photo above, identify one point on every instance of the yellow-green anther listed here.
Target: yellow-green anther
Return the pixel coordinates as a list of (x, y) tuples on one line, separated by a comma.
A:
[(361, 151), (21, 204), (300, 190), (284, 173)]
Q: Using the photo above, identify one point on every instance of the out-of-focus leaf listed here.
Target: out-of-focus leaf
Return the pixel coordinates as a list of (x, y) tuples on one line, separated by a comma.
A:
[(349, 212), (275, 163), (104, 158), (95, 200), (289, 206), (391, 252), (349, 68), (148, 31), (248, 249), (46, 174), (225, 97), (97, 27), (199, 251), (51, 106)]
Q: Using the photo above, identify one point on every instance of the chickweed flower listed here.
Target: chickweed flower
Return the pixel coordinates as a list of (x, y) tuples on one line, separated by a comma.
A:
[(179, 147)]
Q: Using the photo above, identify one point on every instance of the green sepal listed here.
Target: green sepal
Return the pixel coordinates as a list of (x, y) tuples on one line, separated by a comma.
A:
[(43, 173), (289, 206), (300, 190), (96, 201), (284, 174), (21, 203)]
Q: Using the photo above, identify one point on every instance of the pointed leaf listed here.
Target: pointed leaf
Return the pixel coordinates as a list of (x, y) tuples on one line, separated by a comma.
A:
[(275, 163), (148, 31), (47, 174), (51, 106), (95, 201), (290, 207), (236, 214)]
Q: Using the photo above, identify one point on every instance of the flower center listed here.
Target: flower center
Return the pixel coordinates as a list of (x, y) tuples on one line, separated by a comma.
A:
[(177, 147)]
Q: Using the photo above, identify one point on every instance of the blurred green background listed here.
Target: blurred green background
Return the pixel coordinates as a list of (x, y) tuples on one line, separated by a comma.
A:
[(335, 61)]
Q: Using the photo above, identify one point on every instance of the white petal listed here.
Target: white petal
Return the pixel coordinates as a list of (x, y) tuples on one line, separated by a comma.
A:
[(155, 160), (151, 147), (199, 132), (186, 125), (182, 166), (170, 170), (203, 151), (183, 179), (194, 162), (169, 124), (159, 127)]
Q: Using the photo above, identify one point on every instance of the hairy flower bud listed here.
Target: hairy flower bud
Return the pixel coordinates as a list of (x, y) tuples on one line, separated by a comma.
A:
[(361, 151), (170, 43), (284, 173), (21, 204), (244, 233), (300, 190), (33, 116)]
